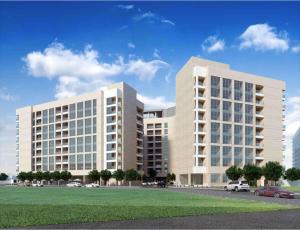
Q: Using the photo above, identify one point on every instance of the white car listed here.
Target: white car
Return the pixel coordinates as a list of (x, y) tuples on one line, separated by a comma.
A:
[(37, 184), (237, 186), (74, 184), (92, 185)]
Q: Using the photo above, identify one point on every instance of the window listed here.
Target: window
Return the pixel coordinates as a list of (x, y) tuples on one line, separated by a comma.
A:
[(94, 160), (166, 125), (215, 155), (158, 126), (88, 161), (238, 112), (238, 134), (51, 115), (72, 162), (248, 114), (79, 144), (88, 126), (94, 107), (249, 92), (51, 147), (72, 143), (215, 132), (226, 134), (51, 163), (88, 108), (226, 88), (215, 109), (79, 162), (72, 111), (72, 128), (215, 86), (248, 135), (94, 143), (94, 125), (79, 127), (248, 156), (45, 132), (51, 131), (226, 156), (80, 110), (88, 144), (238, 157), (45, 116), (215, 178), (226, 111), (45, 163), (150, 126), (224, 178), (45, 147), (238, 90)]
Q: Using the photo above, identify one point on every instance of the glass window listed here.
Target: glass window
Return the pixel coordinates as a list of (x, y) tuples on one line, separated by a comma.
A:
[(238, 90), (51, 147), (249, 92), (215, 109), (225, 178), (45, 147), (94, 161), (226, 134), (88, 144), (238, 134), (88, 161), (215, 178), (248, 135), (248, 156), (51, 115), (88, 126), (72, 162), (166, 125), (72, 144), (72, 128), (79, 162), (51, 131), (226, 111), (45, 163), (94, 143), (215, 132), (227, 88), (79, 127), (215, 155), (45, 116), (94, 107), (238, 157), (45, 132), (88, 108), (51, 163), (94, 125), (226, 156), (238, 112), (72, 111), (215, 86), (79, 144), (248, 114), (80, 110)]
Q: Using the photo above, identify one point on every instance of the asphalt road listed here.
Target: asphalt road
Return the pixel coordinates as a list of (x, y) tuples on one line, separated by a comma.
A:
[(239, 195), (258, 220)]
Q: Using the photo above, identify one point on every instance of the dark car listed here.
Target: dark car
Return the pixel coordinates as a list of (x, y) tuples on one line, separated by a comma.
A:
[(161, 184), (274, 192)]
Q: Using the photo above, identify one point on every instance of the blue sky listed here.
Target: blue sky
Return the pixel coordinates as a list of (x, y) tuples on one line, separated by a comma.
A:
[(90, 45)]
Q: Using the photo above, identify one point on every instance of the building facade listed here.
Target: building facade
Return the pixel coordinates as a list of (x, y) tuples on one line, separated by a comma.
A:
[(224, 118), (99, 130), (296, 149), (158, 137)]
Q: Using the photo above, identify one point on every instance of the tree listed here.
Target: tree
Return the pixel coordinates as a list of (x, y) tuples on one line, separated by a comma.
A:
[(39, 176), (94, 175), (272, 171), (131, 175), (65, 175), (56, 175), (152, 173), (234, 173), (22, 176), (3, 176), (171, 177), (29, 176), (46, 176), (118, 175), (252, 173), (292, 174), (105, 175)]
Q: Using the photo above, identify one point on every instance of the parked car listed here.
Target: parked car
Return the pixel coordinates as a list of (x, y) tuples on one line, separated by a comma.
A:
[(37, 184), (92, 185), (161, 184), (74, 184), (237, 186), (274, 192)]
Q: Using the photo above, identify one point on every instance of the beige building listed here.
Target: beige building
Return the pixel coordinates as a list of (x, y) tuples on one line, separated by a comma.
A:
[(223, 118), (99, 130), (158, 140)]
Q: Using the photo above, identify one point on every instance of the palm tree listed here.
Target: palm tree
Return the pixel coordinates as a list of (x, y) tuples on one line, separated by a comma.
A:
[(131, 175), (105, 175), (118, 175), (94, 175)]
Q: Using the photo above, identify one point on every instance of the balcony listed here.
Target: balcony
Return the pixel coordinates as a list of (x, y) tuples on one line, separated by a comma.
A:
[(259, 136), (259, 115), (200, 97), (259, 157), (259, 94), (259, 145), (199, 85), (200, 71)]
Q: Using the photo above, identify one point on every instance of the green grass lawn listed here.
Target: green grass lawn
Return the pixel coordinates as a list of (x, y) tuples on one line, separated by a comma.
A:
[(292, 188), (21, 206)]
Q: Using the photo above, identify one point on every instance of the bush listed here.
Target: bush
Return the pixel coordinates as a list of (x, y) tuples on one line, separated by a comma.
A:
[(292, 174), (234, 173), (3, 176)]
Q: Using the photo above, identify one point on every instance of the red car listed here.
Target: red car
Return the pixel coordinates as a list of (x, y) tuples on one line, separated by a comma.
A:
[(274, 192)]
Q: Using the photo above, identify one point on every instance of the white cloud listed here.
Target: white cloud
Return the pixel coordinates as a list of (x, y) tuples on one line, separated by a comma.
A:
[(125, 7), (213, 44), (5, 95), (262, 37), (155, 102), (168, 22), (292, 122), (131, 45), (144, 15), (78, 72), (296, 49), (156, 53), (152, 17)]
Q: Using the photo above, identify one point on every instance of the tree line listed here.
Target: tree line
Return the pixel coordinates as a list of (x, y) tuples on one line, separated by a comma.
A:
[(272, 171), (47, 176), (3, 176)]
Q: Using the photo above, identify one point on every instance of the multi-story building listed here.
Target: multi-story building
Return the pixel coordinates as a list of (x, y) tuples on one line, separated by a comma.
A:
[(99, 130), (223, 118), (296, 149), (158, 137)]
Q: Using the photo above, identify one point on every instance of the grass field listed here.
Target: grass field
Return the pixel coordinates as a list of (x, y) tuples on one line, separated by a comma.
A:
[(21, 206), (292, 188)]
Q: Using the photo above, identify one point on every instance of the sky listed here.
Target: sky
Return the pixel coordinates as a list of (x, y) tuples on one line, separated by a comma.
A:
[(53, 50)]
